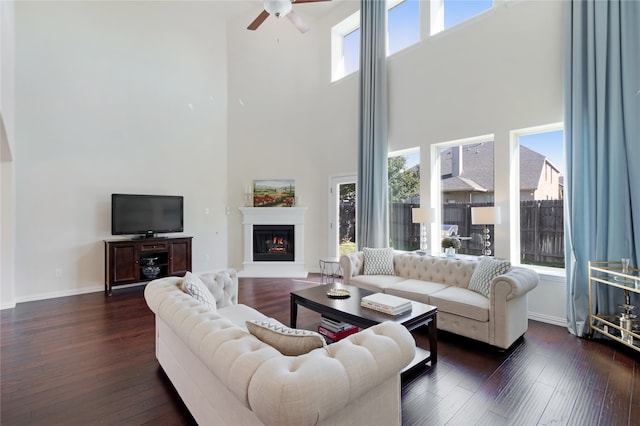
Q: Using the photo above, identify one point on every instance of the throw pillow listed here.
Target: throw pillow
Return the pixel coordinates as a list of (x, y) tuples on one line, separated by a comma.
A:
[(378, 261), (289, 341), (193, 286), (485, 272)]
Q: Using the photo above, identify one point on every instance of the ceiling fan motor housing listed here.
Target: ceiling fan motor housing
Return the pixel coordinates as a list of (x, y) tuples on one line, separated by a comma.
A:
[(277, 7)]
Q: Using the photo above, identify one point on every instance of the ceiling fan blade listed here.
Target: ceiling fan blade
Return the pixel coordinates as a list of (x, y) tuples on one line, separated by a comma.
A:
[(298, 22), (306, 1), (258, 21)]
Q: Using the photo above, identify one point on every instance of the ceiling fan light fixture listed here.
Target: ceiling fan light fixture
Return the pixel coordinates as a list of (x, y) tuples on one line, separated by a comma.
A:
[(277, 8)]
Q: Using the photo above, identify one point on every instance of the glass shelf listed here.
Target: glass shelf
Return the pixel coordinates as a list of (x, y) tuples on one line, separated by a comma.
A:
[(610, 274)]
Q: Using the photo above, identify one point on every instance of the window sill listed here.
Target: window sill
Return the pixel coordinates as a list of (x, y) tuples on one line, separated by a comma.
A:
[(548, 274)]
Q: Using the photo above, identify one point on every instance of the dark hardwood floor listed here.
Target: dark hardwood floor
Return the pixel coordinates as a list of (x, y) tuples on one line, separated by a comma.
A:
[(89, 359)]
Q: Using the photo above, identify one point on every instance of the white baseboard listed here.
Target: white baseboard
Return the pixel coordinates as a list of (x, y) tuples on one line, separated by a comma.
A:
[(63, 293), (561, 322), (8, 306)]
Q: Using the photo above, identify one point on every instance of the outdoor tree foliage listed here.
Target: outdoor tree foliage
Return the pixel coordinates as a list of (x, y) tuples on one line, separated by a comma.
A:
[(404, 185), (348, 192)]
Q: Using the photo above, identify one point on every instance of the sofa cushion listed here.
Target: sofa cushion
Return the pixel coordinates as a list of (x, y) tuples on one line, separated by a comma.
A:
[(434, 269), (193, 286), (289, 341), (377, 283), (485, 272), (415, 289), (378, 261), (462, 302)]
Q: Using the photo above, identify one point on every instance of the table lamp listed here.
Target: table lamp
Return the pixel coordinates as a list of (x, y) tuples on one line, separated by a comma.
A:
[(485, 216), (422, 216)]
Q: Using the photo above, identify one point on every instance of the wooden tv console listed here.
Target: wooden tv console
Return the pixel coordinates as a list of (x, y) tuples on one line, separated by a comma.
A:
[(144, 259)]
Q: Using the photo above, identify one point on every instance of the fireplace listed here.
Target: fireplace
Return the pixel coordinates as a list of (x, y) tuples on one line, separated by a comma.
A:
[(273, 243)]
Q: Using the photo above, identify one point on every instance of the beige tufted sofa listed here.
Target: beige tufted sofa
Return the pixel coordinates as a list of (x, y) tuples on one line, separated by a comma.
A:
[(226, 376), (498, 320)]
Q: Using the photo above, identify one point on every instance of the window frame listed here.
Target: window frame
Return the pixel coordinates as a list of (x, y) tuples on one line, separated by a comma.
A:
[(435, 186), (514, 198), (338, 32), (345, 27), (437, 11), (405, 153)]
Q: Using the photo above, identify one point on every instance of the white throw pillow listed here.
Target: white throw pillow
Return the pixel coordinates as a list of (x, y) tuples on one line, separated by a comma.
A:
[(378, 261), (485, 272), (193, 286), (289, 341)]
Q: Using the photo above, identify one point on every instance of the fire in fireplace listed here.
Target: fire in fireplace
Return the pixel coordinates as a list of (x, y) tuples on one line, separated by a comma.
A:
[(273, 243)]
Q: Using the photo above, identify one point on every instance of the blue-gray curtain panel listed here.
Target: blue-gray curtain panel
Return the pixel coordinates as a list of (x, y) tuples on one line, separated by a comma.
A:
[(372, 183), (602, 112)]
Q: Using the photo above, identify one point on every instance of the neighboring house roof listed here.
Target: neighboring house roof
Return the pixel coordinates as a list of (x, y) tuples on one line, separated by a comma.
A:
[(477, 169), (531, 166), (457, 184)]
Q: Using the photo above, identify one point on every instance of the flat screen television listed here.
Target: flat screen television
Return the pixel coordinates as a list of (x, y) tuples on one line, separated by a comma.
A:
[(146, 215)]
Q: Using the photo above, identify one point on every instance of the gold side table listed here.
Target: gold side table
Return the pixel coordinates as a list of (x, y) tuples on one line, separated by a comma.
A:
[(623, 327)]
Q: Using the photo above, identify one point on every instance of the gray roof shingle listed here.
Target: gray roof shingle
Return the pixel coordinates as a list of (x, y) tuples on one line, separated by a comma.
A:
[(477, 168)]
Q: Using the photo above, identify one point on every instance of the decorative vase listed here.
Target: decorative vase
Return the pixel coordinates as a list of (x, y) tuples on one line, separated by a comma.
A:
[(450, 252), (150, 272), (150, 269)]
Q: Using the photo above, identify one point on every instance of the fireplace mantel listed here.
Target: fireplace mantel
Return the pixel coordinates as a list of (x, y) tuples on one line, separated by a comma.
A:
[(273, 216)]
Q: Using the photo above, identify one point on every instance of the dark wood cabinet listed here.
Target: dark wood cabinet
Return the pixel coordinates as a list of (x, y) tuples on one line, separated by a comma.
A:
[(179, 257), (141, 260)]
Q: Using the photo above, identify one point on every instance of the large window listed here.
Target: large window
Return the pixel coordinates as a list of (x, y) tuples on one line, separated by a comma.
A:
[(466, 181), (404, 194), (403, 27), (541, 174), (537, 192)]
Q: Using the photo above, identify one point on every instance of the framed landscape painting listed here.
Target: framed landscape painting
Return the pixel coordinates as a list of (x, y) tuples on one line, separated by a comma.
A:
[(274, 193)]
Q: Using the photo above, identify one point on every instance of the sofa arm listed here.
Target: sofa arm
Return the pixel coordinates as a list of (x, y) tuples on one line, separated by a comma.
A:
[(352, 264), (515, 283), (508, 312), (157, 291), (307, 389)]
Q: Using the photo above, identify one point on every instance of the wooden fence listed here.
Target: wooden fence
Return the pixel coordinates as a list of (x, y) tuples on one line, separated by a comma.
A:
[(541, 229), (542, 232)]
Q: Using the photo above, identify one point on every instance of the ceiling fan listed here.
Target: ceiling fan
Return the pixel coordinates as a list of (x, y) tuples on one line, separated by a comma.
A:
[(282, 8)]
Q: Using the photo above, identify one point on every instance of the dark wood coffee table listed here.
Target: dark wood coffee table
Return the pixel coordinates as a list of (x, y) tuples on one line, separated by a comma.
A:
[(350, 311)]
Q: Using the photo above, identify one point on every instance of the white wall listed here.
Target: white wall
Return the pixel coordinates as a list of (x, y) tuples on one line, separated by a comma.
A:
[(114, 97), (7, 149), (498, 72), (280, 124)]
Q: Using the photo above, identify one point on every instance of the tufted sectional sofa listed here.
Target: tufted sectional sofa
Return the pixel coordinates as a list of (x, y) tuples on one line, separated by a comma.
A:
[(498, 320), (227, 376)]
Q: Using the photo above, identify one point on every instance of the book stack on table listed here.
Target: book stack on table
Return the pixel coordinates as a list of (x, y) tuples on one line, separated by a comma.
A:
[(335, 330), (387, 303)]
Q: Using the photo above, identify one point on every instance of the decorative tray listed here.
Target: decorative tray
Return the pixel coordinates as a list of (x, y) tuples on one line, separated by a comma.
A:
[(338, 293)]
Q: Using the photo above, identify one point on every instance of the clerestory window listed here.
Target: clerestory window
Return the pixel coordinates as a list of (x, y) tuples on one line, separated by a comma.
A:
[(403, 30)]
